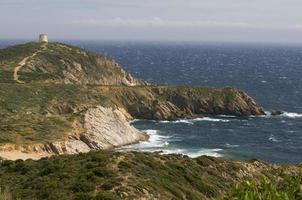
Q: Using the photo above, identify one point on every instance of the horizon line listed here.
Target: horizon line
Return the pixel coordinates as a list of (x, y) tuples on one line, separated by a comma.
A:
[(156, 41)]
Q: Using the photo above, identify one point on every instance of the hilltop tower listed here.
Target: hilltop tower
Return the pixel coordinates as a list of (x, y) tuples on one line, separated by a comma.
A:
[(43, 38)]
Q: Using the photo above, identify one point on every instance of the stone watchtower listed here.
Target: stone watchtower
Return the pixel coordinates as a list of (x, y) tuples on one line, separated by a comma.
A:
[(43, 38)]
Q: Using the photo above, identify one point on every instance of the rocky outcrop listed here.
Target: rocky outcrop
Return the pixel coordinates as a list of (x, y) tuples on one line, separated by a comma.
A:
[(276, 112), (108, 128), (103, 128), (170, 103)]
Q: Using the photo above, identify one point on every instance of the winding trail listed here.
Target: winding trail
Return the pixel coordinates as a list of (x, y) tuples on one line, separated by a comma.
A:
[(24, 62)]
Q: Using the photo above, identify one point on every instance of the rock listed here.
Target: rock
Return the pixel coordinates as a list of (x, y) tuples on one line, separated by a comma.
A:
[(103, 128), (107, 128), (276, 112), (170, 103)]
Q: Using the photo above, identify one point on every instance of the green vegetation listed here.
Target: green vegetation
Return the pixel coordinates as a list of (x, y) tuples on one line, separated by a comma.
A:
[(288, 188), (11, 56), (133, 175), (172, 102), (17, 53), (45, 112), (42, 112), (86, 66)]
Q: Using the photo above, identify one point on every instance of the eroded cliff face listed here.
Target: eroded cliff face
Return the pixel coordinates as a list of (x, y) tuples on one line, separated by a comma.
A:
[(99, 129), (107, 128), (171, 102)]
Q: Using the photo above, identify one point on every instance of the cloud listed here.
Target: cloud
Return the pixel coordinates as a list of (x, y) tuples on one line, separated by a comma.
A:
[(158, 22), (298, 27)]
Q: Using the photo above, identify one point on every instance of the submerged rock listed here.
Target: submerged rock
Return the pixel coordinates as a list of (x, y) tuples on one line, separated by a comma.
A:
[(276, 112)]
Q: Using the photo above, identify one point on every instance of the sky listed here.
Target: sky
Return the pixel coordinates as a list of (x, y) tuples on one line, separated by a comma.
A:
[(277, 21)]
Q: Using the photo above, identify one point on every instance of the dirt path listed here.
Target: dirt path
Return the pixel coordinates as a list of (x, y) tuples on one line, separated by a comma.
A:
[(23, 62), (15, 155)]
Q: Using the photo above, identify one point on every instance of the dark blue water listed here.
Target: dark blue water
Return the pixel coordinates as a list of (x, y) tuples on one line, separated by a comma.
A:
[(271, 74)]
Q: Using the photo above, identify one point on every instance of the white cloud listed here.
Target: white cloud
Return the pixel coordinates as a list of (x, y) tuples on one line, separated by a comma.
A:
[(159, 22)]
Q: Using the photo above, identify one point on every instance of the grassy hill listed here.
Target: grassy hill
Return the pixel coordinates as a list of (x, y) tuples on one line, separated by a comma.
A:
[(61, 63)]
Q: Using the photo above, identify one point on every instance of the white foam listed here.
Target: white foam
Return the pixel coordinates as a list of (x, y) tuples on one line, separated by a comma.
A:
[(135, 120), (228, 116), (231, 145), (194, 154), (210, 119), (159, 142), (291, 115), (184, 121), (155, 140), (268, 113), (285, 114), (180, 121), (140, 120), (191, 121)]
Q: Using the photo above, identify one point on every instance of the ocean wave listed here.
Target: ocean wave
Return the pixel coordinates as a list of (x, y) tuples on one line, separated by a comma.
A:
[(158, 142), (134, 120), (195, 153), (210, 119), (155, 140), (180, 121), (191, 121), (141, 120), (227, 116), (291, 115), (231, 145), (285, 114)]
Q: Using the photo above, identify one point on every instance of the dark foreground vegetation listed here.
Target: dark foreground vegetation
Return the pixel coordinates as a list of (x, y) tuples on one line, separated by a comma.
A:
[(114, 175)]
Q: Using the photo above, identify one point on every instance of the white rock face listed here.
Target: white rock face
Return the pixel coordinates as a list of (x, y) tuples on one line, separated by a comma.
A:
[(104, 128), (108, 128)]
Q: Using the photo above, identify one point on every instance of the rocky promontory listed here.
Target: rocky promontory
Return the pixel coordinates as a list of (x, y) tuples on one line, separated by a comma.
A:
[(63, 100)]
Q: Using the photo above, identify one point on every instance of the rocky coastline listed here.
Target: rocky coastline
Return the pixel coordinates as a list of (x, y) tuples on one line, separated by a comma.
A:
[(71, 101)]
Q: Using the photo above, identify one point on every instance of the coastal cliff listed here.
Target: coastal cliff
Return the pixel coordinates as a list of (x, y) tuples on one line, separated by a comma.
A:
[(59, 99), (99, 129), (174, 102)]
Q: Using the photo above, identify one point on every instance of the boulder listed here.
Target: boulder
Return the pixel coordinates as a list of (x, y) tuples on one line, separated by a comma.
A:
[(276, 112)]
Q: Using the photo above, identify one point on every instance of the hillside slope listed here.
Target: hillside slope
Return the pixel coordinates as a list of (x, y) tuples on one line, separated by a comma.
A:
[(61, 63), (133, 175)]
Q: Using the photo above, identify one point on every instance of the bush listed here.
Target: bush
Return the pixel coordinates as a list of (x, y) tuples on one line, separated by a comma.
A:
[(106, 196), (290, 188)]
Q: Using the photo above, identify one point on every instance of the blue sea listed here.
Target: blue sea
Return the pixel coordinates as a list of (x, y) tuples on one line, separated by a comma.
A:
[(271, 74)]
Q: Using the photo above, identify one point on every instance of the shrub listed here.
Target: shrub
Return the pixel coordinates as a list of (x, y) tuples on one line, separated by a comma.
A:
[(290, 188)]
